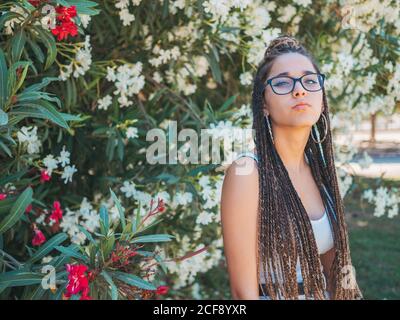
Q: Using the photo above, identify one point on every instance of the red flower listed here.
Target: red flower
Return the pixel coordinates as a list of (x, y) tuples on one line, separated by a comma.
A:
[(56, 213), (161, 206), (28, 208), (35, 3), (64, 30), (162, 290), (39, 238), (44, 176), (65, 13), (3, 196), (122, 254), (66, 25), (77, 281)]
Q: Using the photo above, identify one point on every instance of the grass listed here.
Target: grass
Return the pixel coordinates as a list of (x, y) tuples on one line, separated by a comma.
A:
[(374, 245)]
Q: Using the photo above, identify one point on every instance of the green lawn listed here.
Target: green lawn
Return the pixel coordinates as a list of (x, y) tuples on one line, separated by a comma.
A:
[(375, 247)]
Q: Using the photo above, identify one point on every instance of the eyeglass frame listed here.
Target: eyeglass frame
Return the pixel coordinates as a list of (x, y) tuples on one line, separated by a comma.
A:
[(268, 82)]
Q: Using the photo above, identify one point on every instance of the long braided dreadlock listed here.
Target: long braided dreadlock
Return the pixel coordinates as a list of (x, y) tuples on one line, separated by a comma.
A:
[(285, 233)]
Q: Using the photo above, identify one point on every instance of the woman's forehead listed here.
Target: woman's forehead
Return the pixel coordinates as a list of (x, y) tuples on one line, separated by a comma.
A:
[(294, 64)]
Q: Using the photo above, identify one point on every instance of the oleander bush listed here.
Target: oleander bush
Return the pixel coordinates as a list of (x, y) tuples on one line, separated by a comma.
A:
[(84, 83)]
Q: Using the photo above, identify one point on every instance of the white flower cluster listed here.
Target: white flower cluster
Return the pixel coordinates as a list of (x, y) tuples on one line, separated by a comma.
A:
[(128, 81), (383, 199), (187, 269), (28, 137), (10, 24), (80, 64), (182, 199), (129, 190), (51, 163), (164, 56), (123, 5), (246, 78), (87, 217), (219, 9)]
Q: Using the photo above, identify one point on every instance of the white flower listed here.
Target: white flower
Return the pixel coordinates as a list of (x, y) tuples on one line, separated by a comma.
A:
[(64, 157), (80, 63), (183, 198), (131, 132), (246, 78), (85, 19), (92, 220), (157, 77), (50, 163), (129, 189), (47, 259), (85, 206), (105, 102), (28, 135), (204, 218), (126, 17), (111, 74), (83, 59), (217, 8), (68, 172), (9, 24), (128, 81), (286, 13), (304, 3), (200, 66), (163, 195)]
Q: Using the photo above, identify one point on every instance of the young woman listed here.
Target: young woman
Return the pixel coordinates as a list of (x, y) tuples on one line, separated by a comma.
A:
[(284, 231)]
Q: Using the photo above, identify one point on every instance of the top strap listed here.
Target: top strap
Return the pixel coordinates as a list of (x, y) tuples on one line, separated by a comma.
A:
[(248, 154)]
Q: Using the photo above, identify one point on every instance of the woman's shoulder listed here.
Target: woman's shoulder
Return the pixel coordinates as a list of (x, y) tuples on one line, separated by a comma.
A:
[(243, 171)]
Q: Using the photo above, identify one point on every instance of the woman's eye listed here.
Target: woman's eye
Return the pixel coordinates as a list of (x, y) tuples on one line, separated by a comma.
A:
[(281, 83)]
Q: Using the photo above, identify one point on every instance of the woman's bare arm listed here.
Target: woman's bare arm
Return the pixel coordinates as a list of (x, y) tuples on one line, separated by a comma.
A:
[(239, 204)]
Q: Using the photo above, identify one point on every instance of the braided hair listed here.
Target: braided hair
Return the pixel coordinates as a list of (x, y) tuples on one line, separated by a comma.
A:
[(284, 232)]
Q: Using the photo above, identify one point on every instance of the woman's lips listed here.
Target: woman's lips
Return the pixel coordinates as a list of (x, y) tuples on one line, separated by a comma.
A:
[(301, 106)]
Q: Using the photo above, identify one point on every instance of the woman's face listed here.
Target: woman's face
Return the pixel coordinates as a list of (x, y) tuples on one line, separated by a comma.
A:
[(279, 107)]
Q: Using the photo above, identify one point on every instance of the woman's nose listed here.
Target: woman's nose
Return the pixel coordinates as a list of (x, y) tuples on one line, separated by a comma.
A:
[(298, 90)]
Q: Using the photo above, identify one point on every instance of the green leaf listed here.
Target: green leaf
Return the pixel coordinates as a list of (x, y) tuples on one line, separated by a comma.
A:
[(40, 109), (13, 177), (3, 118), (133, 280), (114, 290), (12, 85), (53, 115), (17, 45), (6, 149), (48, 246), (17, 210), (6, 204), (88, 235), (104, 219), (214, 64), (40, 85), (20, 278), (50, 44), (120, 209), (3, 79), (228, 102), (153, 238), (36, 50), (70, 252)]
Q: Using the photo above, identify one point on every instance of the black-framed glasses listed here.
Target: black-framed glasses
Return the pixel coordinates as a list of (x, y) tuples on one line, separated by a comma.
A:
[(285, 84)]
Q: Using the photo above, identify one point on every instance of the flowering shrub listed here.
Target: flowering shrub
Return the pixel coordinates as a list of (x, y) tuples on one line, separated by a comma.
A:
[(83, 82)]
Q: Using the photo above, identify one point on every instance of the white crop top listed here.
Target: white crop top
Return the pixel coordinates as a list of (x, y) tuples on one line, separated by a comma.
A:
[(321, 228)]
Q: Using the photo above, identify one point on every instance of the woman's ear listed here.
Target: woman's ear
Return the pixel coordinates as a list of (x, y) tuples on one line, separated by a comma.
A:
[(265, 108)]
